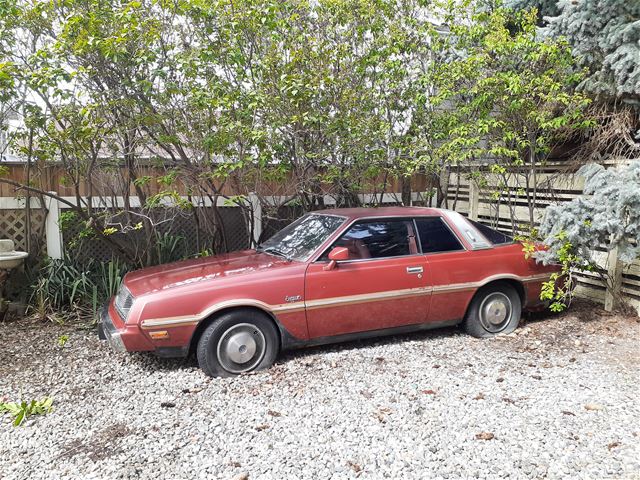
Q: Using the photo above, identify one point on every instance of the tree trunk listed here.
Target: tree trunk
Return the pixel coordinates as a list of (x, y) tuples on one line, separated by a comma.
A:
[(443, 186), (405, 186)]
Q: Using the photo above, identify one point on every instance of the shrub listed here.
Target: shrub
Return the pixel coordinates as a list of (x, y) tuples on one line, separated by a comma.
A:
[(606, 216), (65, 287)]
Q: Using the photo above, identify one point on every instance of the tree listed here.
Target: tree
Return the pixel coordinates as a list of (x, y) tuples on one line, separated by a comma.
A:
[(606, 216), (78, 68), (604, 36), (318, 96), (9, 91), (330, 86), (605, 39), (505, 98)]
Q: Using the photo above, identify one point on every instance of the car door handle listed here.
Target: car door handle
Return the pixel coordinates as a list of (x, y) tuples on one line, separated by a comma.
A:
[(414, 270)]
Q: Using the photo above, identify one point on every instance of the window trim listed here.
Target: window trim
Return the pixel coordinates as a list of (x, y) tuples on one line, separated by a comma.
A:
[(356, 220), (446, 224)]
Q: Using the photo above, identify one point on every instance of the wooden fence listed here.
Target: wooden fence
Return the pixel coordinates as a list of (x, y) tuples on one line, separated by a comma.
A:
[(462, 195), (46, 236), (53, 178)]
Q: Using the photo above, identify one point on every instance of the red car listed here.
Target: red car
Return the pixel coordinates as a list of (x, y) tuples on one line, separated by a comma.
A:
[(331, 276)]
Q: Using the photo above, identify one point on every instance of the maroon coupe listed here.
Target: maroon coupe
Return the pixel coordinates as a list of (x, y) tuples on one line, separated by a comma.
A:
[(330, 276)]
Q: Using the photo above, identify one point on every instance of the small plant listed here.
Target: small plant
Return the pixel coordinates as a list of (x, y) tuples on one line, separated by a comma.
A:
[(62, 340), (558, 290), (170, 248), (205, 252), (67, 220), (20, 411), (66, 286), (108, 277)]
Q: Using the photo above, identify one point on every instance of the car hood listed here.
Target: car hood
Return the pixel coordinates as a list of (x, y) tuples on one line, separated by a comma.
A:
[(186, 272)]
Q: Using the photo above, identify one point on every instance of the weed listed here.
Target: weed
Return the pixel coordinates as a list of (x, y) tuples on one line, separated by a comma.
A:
[(20, 411)]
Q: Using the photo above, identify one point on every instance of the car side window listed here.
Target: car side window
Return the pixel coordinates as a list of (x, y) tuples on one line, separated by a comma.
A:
[(435, 236), (378, 239)]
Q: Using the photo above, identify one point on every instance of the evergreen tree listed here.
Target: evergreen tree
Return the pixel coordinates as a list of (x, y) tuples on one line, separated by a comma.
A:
[(606, 216), (605, 38)]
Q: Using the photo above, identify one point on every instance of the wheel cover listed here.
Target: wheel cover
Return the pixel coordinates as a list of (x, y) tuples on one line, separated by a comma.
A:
[(495, 312), (241, 348)]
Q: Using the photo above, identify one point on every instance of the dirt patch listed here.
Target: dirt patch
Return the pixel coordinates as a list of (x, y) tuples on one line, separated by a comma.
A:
[(101, 445)]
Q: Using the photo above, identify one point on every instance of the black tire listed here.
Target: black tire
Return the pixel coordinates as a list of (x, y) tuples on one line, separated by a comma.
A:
[(494, 310), (254, 335)]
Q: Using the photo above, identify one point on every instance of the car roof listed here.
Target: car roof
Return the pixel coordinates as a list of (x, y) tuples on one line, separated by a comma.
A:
[(382, 212)]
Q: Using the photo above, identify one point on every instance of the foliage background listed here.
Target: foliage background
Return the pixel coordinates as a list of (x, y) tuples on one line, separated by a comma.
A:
[(157, 103)]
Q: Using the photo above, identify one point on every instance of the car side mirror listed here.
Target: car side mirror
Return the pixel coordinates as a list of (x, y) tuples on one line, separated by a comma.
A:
[(337, 254)]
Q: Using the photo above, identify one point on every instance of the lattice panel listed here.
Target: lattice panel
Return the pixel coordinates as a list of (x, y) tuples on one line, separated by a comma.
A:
[(193, 237), (13, 226), (235, 228)]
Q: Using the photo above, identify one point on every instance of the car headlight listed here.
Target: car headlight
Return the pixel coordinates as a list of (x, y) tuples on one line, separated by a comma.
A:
[(123, 303)]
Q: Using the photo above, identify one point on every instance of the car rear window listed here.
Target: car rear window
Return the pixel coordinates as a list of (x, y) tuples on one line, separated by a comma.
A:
[(435, 236), (494, 236), (469, 232)]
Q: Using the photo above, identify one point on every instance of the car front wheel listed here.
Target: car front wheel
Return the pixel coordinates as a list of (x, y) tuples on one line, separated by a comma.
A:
[(495, 309), (238, 342)]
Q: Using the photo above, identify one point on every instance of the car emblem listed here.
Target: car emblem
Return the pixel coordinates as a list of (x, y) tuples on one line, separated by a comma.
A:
[(292, 298)]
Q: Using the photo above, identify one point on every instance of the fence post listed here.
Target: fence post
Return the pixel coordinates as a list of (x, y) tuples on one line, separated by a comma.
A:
[(474, 199), (256, 208), (52, 227), (614, 272)]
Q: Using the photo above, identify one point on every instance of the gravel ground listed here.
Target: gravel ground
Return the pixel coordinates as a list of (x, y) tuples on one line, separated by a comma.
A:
[(557, 399)]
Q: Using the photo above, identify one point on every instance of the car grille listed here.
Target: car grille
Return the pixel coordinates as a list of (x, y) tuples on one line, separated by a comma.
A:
[(123, 302)]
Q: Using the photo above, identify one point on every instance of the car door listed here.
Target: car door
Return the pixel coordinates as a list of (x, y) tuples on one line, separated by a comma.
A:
[(450, 268), (382, 285)]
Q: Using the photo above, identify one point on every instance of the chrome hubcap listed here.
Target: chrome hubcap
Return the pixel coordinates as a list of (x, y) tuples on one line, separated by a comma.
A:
[(241, 348), (495, 312)]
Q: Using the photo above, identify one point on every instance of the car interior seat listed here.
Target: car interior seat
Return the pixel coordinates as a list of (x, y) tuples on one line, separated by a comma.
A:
[(357, 249)]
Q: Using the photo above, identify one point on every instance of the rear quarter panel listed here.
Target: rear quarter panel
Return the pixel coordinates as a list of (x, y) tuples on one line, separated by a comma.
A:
[(457, 276)]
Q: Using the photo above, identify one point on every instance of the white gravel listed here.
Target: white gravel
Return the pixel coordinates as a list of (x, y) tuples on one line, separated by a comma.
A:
[(405, 407)]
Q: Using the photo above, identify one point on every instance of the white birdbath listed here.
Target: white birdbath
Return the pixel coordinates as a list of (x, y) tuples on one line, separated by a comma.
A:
[(9, 259)]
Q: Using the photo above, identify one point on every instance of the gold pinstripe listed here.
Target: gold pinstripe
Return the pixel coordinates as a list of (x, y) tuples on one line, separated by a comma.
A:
[(334, 301)]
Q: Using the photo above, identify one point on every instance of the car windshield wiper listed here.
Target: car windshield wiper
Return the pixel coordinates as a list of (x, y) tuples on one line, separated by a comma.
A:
[(273, 251)]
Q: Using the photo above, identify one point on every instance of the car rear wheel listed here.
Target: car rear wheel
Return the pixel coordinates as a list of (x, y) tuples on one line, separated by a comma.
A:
[(238, 342), (495, 309)]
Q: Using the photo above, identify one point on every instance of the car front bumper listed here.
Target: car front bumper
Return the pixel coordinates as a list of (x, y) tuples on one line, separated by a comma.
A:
[(129, 338), (107, 331)]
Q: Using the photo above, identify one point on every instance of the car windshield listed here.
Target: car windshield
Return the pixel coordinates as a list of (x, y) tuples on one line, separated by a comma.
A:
[(300, 239)]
